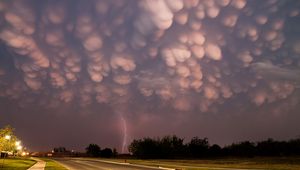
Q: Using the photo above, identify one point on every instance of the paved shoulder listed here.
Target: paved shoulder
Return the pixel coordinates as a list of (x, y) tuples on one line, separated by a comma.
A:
[(93, 164), (40, 164)]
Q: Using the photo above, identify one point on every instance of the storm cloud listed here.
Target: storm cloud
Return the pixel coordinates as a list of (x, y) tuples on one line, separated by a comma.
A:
[(144, 58)]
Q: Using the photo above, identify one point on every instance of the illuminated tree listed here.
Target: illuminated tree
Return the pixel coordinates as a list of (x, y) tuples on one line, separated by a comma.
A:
[(8, 140)]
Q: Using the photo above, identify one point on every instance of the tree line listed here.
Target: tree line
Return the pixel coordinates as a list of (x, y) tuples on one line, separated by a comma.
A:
[(94, 150), (171, 147)]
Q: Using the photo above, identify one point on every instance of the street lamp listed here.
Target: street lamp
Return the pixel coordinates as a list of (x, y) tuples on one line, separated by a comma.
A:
[(7, 137), (18, 143), (19, 147)]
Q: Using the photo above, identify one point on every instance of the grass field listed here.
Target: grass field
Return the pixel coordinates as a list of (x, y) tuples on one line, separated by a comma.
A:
[(290, 163), (52, 165), (16, 163)]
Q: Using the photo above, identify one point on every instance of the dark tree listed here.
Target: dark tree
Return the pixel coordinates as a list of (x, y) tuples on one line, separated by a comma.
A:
[(60, 150), (115, 152), (293, 147), (146, 148), (267, 148), (198, 147), (244, 149), (93, 150), (106, 153), (170, 147), (215, 150)]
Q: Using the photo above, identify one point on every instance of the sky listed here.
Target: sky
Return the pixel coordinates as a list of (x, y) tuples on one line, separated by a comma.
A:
[(75, 72)]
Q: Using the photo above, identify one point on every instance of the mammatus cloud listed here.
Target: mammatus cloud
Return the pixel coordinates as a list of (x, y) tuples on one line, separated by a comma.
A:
[(197, 42), (191, 55)]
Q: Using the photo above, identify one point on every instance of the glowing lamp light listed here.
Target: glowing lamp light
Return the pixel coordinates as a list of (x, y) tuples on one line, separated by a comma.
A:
[(23, 154), (19, 147), (18, 143), (7, 137)]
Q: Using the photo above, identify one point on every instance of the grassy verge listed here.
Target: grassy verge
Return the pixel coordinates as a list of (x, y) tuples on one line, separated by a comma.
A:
[(290, 163), (52, 165), (16, 163)]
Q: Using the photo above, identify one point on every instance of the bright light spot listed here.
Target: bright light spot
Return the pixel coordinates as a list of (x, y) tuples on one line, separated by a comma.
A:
[(18, 143), (19, 147), (7, 137)]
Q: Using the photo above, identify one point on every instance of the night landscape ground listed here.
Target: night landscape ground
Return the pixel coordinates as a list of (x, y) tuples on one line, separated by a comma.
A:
[(261, 163), (149, 84), (228, 163), (16, 163)]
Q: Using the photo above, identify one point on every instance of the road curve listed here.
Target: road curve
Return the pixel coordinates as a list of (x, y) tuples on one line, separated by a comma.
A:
[(93, 164)]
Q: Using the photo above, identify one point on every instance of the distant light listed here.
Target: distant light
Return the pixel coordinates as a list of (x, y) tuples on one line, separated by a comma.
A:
[(23, 153), (7, 137), (18, 143), (19, 147)]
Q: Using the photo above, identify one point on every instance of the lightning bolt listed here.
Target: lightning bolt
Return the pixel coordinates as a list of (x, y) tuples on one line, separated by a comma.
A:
[(125, 135)]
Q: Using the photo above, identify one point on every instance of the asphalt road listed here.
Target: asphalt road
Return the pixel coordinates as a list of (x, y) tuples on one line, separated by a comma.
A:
[(90, 164)]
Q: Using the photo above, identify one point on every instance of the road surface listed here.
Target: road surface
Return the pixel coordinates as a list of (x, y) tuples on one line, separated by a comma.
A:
[(92, 164)]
